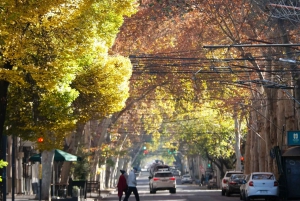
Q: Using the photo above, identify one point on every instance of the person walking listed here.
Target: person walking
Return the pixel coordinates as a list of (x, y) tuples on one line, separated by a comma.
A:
[(131, 182), (122, 185), (202, 180)]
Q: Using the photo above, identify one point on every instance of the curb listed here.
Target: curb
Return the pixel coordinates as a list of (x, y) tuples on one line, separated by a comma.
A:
[(103, 194)]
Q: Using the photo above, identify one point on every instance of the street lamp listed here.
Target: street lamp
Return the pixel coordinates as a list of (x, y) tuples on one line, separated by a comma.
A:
[(288, 60)]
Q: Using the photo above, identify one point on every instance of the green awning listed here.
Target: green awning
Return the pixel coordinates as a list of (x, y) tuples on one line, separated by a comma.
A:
[(59, 155)]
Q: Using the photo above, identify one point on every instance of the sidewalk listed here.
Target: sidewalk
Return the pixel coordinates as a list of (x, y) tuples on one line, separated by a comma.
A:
[(21, 197), (103, 194)]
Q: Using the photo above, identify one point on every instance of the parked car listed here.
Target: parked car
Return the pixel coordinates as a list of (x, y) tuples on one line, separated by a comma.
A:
[(224, 181), (242, 187), (176, 173), (234, 183), (186, 179), (261, 185), (162, 180)]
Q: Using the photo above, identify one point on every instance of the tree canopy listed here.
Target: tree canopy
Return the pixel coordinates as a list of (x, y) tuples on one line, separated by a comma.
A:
[(59, 64)]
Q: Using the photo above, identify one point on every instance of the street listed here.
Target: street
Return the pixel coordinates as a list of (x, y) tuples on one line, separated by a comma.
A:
[(186, 192)]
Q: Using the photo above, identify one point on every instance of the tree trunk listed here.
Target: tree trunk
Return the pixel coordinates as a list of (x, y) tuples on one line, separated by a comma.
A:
[(73, 145), (282, 116), (47, 166), (264, 133), (3, 105), (289, 117), (274, 129), (99, 138), (237, 146), (270, 127), (295, 75), (248, 147), (256, 137)]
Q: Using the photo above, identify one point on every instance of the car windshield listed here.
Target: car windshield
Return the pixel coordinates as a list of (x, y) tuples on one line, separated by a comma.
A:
[(231, 173), (263, 176), (165, 174), (238, 176), (186, 176)]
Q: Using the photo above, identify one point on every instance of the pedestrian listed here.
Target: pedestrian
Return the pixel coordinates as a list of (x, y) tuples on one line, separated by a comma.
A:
[(122, 185), (131, 182), (202, 180)]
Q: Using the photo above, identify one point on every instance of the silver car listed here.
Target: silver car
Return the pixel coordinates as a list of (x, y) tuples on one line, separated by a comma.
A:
[(162, 180), (176, 172), (186, 179)]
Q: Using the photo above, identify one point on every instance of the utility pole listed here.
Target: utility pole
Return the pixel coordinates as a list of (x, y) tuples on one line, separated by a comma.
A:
[(13, 166), (4, 169)]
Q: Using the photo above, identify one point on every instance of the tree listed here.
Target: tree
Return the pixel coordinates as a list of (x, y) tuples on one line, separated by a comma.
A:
[(46, 50), (168, 63)]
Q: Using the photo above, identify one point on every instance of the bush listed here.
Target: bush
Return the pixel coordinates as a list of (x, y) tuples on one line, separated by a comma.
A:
[(2, 164)]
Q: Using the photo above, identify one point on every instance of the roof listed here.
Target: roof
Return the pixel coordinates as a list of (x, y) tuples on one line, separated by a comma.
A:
[(292, 151), (234, 171), (163, 172), (262, 173)]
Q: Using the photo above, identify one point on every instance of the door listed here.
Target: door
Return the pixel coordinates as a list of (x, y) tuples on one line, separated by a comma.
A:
[(292, 165)]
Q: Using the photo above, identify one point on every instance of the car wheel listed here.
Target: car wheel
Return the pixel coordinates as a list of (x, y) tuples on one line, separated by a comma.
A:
[(153, 190), (227, 193), (223, 192), (172, 190), (150, 189)]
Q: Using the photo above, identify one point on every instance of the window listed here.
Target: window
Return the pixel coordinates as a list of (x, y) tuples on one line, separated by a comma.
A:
[(231, 173), (238, 176), (166, 174), (263, 176)]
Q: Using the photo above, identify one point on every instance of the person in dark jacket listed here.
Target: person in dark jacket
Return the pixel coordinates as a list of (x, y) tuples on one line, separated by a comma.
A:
[(202, 180), (122, 185)]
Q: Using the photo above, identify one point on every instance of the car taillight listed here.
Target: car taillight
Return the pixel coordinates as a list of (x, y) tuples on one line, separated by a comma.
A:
[(172, 178), (155, 179), (275, 183), (251, 183), (224, 181), (232, 182)]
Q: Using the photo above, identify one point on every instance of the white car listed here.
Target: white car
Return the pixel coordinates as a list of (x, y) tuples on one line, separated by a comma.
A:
[(261, 185), (176, 172), (162, 180), (224, 181), (186, 179)]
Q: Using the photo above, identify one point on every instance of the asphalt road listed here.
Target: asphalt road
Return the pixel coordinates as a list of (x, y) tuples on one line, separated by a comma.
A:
[(185, 192)]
